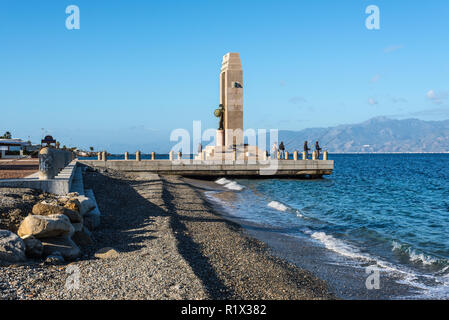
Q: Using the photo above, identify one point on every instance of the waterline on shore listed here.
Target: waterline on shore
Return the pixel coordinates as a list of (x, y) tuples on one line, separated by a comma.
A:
[(403, 282)]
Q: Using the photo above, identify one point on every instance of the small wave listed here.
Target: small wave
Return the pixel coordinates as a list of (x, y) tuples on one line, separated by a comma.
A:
[(413, 255), (233, 186), (228, 184), (338, 246), (222, 181), (421, 257), (396, 245), (439, 290), (445, 269), (278, 206), (422, 285), (282, 207), (299, 214)]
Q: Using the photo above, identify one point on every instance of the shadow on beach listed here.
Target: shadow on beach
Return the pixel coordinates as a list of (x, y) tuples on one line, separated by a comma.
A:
[(125, 212), (191, 251)]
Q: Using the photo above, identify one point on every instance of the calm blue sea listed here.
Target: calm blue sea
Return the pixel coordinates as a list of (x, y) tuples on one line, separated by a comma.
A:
[(392, 209)]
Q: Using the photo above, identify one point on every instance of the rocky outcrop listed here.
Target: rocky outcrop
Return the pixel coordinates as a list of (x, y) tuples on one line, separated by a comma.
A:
[(28, 197), (15, 217), (53, 230), (63, 245), (55, 258), (46, 209), (83, 238), (34, 248), (73, 216), (86, 205), (12, 248), (78, 227), (92, 218), (46, 226), (73, 204)]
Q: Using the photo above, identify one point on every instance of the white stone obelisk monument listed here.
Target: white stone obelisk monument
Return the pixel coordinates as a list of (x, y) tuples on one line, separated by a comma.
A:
[(230, 140), (231, 97)]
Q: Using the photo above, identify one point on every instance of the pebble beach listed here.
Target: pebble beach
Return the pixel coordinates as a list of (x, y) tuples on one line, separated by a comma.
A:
[(169, 243)]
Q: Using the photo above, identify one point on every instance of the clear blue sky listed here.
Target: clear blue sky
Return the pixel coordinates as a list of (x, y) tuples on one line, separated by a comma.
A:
[(138, 69)]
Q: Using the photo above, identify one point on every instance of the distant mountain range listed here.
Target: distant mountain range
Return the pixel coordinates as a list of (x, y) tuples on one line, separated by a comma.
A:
[(379, 134)]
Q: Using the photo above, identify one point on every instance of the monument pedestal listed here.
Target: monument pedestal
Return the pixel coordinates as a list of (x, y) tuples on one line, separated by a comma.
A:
[(220, 138), (226, 153)]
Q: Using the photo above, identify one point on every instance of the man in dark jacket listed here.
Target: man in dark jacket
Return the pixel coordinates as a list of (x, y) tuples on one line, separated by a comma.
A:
[(282, 150), (306, 149), (318, 149)]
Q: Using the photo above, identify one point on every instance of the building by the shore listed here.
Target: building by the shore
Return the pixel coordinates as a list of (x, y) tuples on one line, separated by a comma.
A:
[(15, 148)]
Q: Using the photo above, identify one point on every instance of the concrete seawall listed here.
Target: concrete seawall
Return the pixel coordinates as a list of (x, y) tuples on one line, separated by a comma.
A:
[(52, 161), (211, 168), (58, 185), (56, 171)]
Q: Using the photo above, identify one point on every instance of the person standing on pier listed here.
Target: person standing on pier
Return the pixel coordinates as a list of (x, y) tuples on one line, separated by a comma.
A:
[(306, 149), (282, 150), (318, 149), (200, 148), (274, 151)]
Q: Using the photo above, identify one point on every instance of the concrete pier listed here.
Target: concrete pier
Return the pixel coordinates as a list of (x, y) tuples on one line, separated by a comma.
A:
[(217, 168)]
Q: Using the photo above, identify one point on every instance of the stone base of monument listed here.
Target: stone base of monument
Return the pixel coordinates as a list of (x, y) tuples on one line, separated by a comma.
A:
[(227, 153), (220, 138)]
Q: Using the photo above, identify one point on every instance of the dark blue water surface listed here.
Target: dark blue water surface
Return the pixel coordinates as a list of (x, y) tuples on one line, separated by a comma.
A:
[(393, 208)]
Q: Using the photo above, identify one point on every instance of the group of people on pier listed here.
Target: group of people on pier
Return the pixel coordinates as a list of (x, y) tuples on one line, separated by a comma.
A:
[(281, 149)]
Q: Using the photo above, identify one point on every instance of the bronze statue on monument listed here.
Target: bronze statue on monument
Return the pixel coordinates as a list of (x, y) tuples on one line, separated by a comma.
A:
[(219, 113)]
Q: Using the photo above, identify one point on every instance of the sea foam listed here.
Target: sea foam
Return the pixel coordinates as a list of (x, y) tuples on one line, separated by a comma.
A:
[(278, 206), (228, 184), (408, 277), (222, 181), (233, 186), (338, 246), (413, 255)]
